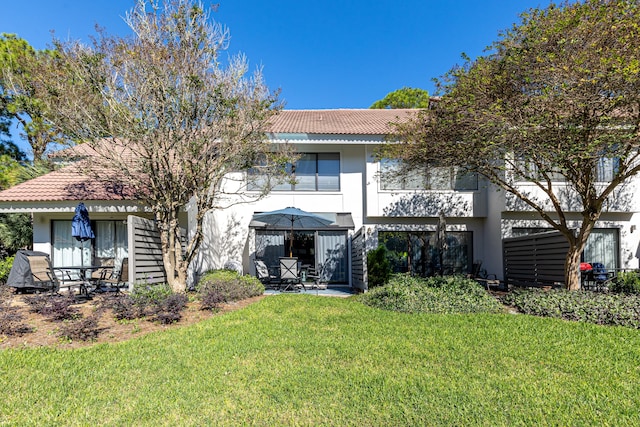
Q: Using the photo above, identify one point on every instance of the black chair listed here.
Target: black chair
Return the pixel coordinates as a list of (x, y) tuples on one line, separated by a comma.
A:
[(117, 278), (316, 275), (269, 280), (599, 277), (481, 276)]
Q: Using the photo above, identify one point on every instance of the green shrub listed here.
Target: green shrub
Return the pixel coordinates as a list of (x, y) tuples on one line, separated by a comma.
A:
[(442, 294), (147, 295), (626, 282), (220, 286), (5, 268), (378, 267), (585, 306)]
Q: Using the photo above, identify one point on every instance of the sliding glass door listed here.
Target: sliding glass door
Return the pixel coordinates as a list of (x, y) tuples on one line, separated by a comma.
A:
[(321, 249), (109, 246), (67, 250), (414, 252)]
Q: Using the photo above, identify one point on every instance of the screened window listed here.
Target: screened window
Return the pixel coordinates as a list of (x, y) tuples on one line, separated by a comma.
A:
[(312, 172), (416, 253), (606, 168), (435, 178)]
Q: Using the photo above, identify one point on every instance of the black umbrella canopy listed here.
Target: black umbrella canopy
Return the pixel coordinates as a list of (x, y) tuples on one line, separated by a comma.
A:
[(294, 218)]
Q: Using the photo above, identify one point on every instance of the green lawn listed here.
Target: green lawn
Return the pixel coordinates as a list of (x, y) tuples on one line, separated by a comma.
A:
[(306, 360)]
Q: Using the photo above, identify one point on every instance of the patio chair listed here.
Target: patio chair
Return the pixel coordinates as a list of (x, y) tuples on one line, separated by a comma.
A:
[(117, 278), (105, 271), (316, 275), (598, 277), (44, 275), (481, 276), (290, 274), (269, 280)]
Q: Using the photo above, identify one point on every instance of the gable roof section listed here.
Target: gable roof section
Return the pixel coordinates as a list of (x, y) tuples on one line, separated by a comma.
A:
[(67, 184), (346, 122), (64, 184)]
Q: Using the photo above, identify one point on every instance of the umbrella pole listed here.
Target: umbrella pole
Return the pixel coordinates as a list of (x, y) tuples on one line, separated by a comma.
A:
[(291, 242)]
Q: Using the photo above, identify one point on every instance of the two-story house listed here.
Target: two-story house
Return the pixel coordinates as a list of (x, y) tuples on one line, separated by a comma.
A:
[(337, 177)]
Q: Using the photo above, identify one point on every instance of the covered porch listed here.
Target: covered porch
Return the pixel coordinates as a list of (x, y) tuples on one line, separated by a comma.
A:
[(324, 249)]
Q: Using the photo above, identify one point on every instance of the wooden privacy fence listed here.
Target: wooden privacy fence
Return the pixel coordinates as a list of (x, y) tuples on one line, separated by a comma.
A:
[(145, 251), (358, 261), (535, 260)]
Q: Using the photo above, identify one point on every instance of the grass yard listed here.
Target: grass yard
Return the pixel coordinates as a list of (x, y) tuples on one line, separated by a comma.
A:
[(305, 360)]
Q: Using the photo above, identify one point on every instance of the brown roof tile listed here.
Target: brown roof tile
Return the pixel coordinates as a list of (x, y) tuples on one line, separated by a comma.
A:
[(348, 122), (68, 184), (64, 184)]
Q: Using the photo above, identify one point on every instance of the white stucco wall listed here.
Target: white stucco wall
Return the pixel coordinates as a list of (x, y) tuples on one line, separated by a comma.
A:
[(487, 213), (228, 235)]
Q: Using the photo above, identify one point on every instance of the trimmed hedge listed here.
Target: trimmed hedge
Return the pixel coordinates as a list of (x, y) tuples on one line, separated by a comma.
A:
[(446, 295), (221, 286)]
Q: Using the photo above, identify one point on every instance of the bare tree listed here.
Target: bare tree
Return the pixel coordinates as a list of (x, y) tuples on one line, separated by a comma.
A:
[(555, 106), (166, 117)]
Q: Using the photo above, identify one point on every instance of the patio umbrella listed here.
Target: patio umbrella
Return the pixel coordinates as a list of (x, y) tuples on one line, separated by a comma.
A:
[(439, 240), (81, 227), (294, 218)]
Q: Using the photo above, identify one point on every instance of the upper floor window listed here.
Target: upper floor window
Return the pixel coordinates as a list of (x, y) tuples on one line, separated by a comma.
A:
[(605, 169), (312, 172), (434, 178)]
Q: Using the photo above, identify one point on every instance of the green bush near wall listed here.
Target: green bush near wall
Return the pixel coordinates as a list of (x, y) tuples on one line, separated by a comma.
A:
[(378, 267), (626, 282), (440, 294), (5, 268), (229, 286)]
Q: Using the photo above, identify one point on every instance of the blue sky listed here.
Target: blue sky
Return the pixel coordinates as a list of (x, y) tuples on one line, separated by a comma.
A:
[(321, 54)]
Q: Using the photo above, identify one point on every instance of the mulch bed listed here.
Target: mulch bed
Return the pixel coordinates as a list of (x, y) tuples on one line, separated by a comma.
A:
[(45, 331)]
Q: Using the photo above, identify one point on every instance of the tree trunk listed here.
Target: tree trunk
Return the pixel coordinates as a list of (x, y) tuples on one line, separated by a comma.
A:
[(171, 251), (571, 268), (576, 246)]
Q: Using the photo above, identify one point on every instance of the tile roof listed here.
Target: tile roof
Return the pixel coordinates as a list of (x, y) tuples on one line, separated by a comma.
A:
[(64, 184), (68, 184), (348, 122)]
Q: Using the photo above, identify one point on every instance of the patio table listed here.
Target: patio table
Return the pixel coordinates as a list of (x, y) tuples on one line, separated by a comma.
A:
[(83, 270)]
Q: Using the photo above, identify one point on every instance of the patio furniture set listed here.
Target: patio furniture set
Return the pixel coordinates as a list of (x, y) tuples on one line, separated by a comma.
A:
[(33, 271), (289, 276)]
